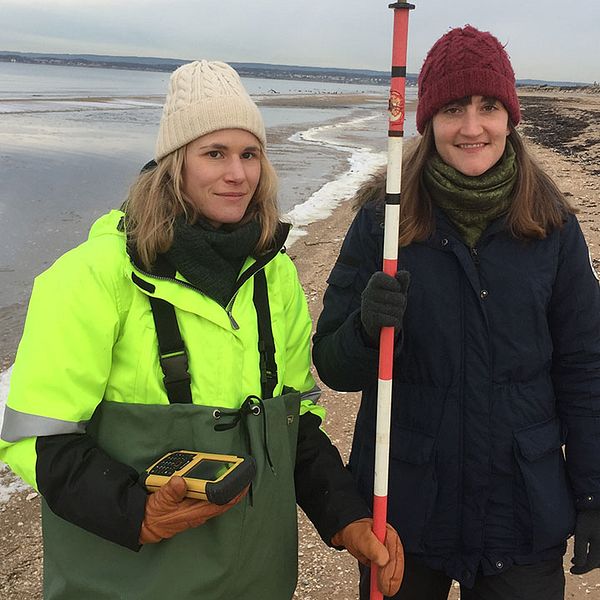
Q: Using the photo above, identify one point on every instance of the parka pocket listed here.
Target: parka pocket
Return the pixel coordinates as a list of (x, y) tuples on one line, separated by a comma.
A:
[(342, 274), (413, 484), (340, 292), (544, 505)]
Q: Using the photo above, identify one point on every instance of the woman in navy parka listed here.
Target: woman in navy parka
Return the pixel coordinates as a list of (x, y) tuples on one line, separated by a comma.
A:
[(497, 365)]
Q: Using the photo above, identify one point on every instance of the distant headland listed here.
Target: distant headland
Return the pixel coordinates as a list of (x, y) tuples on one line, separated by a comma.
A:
[(264, 71), (261, 70)]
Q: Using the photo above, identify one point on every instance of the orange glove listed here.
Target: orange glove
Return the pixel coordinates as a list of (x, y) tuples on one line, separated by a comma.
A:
[(169, 512), (359, 539)]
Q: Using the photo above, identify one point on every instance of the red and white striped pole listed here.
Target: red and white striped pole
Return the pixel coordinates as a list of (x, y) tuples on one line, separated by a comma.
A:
[(390, 266)]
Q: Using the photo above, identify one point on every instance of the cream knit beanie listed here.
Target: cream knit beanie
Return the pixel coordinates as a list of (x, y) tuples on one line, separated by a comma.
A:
[(205, 96)]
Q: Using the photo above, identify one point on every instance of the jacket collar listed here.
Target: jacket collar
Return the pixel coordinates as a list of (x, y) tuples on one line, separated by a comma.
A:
[(163, 270), (444, 228)]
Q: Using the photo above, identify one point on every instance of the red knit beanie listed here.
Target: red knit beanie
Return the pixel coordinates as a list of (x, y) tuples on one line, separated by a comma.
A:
[(466, 62)]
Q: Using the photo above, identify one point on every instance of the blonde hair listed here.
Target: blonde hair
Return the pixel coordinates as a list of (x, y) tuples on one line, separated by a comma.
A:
[(537, 208), (156, 199)]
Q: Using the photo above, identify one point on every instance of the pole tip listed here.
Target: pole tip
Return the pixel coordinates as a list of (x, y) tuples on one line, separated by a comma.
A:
[(406, 5)]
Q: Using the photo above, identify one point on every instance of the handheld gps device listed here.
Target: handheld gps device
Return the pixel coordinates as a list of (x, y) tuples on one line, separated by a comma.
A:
[(217, 478)]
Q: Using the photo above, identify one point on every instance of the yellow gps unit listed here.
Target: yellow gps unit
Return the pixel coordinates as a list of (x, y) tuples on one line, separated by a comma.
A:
[(217, 478)]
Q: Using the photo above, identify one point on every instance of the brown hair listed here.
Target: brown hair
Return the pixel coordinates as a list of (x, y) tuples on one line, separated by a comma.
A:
[(537, 208), (156, 199)]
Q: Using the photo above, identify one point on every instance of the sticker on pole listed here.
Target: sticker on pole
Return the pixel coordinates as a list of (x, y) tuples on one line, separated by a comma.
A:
[(396, 106)]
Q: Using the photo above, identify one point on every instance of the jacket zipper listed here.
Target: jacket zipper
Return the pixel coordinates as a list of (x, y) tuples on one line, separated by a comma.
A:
[(475, 256), (460, 494), (250, 272), (461, 499), (228, 309)]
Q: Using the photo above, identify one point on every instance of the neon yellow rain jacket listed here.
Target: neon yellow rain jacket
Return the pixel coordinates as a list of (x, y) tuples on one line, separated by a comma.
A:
[(87, 407), (89, 336)]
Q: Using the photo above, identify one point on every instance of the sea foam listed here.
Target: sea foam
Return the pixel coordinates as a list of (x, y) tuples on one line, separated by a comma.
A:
[(362, 161)]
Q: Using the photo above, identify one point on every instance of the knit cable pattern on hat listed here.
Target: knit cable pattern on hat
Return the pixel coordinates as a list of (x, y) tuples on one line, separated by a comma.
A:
[(202, 79), (466, 62)]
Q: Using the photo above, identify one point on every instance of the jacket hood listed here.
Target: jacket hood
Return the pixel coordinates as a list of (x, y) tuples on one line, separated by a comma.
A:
[(110, 223)]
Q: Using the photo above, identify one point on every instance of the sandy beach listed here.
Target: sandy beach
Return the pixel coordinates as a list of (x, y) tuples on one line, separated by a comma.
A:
[(564, 132)]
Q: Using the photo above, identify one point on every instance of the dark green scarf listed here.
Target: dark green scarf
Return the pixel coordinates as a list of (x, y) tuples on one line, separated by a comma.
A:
[(472, 203), (211, 258)]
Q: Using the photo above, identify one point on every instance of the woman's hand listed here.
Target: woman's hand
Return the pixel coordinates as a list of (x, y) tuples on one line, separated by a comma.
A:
[(587, 542), (383, 302), (169, 512), (359, 539)]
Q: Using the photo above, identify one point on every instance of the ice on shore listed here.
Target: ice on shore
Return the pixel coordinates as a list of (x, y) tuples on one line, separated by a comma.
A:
[(363, 162), (4, 382), (9, 483)]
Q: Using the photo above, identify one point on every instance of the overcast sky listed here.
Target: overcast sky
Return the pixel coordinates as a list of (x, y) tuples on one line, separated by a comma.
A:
[(546, 39)]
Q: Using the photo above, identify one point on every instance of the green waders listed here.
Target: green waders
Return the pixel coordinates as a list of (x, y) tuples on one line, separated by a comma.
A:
[(248, 553)]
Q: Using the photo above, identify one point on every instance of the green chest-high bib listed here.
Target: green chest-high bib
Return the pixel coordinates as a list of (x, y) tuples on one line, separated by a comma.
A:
[(249, 552), (231, 556)]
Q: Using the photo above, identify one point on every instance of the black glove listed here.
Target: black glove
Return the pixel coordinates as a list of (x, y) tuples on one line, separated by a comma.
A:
[(383, 302), (587, 533)]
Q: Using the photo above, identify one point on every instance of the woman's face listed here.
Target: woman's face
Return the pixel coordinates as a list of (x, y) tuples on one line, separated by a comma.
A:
[(221, 173), (470, 134)]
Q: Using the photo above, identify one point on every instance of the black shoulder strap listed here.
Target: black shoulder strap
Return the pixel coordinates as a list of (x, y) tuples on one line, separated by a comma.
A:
[(171, 349), (173, 355), (266, 343)]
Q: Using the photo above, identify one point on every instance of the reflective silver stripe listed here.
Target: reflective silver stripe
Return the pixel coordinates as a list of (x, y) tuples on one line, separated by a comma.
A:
[(18, 425), (313, 395)]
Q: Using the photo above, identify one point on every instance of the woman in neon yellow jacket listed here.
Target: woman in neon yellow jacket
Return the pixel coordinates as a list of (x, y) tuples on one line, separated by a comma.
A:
[(180, 324)]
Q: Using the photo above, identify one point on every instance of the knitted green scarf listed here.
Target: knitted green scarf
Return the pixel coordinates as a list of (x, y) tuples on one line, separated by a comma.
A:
[(472, 203), (211, 258)]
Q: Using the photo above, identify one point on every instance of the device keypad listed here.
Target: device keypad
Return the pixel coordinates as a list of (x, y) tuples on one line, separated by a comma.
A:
[(172, 463)]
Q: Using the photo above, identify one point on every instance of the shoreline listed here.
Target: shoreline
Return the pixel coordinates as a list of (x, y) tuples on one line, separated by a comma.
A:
[(67, 103)]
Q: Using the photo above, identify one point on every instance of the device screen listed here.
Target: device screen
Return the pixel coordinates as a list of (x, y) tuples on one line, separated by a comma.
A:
[(209, 469)]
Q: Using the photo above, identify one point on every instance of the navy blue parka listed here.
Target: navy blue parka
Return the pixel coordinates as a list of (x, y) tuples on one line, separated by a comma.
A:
[(497, 368)]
